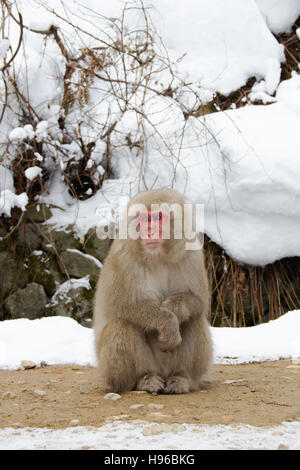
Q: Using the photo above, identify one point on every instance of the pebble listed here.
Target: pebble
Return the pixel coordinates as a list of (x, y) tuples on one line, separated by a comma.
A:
[(156, 415), (28, 364), (74, 422), (155, 406), (112, 396), (136, 406), (39, 393), (229, 382), (9, 395)]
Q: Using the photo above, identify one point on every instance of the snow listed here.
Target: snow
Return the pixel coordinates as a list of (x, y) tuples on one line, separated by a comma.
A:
[(60, 340), (90, 257), (253, 211), (56, 340), (32, 172), (110, 437), (8, 200), (242, 164), (19, 133), (279, 20), (70, 284), (268, 341), (223, 46)]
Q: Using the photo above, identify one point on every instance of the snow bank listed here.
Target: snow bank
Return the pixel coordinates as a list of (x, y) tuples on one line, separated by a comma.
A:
[(278, 19), (270, 341), (61, 340), (222, 47), (219, 47), (56, 340), (249, 180)]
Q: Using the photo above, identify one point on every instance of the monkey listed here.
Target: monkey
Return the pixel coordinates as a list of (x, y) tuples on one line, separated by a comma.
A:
[(151, 305)]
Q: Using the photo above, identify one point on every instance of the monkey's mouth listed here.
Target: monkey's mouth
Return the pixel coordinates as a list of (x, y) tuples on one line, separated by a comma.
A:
[(152, 244)]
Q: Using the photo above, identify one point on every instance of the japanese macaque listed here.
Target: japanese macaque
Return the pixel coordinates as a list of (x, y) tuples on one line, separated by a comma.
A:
[(152, 302)]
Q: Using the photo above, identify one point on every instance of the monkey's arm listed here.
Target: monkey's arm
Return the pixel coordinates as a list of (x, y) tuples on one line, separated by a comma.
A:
[(184, 305), (150, 316)]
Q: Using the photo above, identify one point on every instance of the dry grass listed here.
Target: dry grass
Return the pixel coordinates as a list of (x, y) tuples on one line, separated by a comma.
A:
[(291, 44), (249, 295)]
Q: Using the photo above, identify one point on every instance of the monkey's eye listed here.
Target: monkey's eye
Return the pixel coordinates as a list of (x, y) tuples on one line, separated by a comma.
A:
[(143, 218), (157, 216)]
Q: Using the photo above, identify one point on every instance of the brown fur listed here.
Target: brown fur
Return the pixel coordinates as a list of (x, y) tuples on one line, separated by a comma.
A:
[(150, 314)]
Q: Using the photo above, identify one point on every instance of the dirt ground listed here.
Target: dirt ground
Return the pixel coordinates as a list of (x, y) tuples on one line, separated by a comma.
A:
[(260, 394)]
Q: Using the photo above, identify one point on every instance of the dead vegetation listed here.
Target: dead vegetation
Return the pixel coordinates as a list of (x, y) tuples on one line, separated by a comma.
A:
[(249, 295)]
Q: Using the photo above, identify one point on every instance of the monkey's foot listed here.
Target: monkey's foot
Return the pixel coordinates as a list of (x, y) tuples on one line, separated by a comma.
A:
[(151, 383), (177, 384)]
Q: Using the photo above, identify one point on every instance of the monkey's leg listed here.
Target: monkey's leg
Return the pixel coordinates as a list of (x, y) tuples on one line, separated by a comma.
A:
[(124, 357), (192, 358)]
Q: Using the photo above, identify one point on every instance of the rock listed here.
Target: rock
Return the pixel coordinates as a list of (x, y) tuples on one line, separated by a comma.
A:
[(28, 364), (59, 239), (29, 302), (136, 406), (38, 212), (72, 301), (43, 269), (112, 396), (78, 264), (28, 238), (12, 273), (95, 246)]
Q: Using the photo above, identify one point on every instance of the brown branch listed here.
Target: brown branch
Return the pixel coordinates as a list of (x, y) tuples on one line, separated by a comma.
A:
[(18, 46)]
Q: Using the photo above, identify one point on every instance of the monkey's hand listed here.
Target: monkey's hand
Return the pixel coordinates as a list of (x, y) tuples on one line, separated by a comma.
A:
[(180, 304), (169, 334)]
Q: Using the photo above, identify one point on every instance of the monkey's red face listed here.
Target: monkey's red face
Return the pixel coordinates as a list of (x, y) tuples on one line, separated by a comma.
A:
[(151, 228)]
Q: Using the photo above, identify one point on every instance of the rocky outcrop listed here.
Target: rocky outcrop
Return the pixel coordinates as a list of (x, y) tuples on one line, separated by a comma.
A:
[(46, 271)]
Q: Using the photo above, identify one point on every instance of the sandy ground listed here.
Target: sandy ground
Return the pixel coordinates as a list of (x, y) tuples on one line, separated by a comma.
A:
[(260, 394)]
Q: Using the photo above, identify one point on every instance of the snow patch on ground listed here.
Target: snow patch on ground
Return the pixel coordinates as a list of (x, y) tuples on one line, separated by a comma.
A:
[(61, 340), (133, 436)]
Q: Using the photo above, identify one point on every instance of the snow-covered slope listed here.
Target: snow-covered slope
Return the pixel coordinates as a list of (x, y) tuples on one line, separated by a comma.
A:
[(242, 164)]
